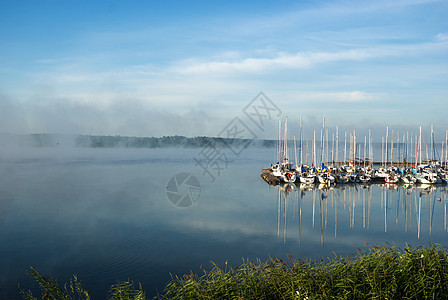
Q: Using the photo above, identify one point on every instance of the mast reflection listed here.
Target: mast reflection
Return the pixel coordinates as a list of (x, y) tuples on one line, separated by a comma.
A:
[(360, 209)]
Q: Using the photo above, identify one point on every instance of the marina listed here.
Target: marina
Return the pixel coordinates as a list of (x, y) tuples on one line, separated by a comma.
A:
[(357, 166)]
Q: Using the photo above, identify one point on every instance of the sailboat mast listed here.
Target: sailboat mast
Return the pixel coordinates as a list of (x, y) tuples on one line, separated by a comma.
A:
[(416, 151), (279, 142), (350, 155), (345, 148), (404, 149), (306, 155), (359, 151), (354, 147), (442, 155), (432, 143), (326, 146), (365, 147), (295, 151), (407, 148), (322, 142), (392, 150), (332, 152), (446, 147), (386, 157), (301, 142), (337, 145), (398, 149), (314, 148), (370, 150), (420, 143), (321, 146), (285, 143)]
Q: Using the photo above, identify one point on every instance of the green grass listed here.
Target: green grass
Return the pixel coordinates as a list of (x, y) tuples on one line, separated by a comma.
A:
[(377, 273)]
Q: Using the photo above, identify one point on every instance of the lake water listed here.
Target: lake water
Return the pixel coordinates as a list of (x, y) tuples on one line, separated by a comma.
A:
[(104, 215)]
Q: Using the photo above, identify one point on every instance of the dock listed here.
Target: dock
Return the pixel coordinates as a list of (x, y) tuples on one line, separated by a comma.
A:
[(269, 178)]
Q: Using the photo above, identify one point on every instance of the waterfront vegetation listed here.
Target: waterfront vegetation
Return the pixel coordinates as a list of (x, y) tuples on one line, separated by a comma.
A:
[(50, 289), (377, 273)]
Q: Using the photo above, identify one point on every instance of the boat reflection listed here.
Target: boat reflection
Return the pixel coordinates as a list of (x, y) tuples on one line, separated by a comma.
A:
[(364, 209)]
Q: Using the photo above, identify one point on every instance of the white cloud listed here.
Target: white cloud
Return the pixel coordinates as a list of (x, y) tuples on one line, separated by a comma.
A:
[(442, 37), (304, 60), (353, 96), (299, 60)]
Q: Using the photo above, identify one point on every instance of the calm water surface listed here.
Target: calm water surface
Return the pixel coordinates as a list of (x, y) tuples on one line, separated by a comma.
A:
[(104, 215)]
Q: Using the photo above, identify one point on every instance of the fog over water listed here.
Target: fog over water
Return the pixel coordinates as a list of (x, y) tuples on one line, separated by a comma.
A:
[(104, 214), (105, 105)]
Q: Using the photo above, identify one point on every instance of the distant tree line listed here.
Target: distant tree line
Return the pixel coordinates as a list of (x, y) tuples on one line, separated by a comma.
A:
[(102, 141), (157, 142), (145, 142)]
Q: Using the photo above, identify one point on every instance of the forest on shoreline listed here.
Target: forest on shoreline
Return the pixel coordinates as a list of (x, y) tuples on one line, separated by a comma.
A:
[(105, 141)]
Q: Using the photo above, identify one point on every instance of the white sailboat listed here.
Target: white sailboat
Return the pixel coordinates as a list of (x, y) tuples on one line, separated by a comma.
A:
[(426, 177), (308, 176), (392, 178), (408, 179), (287, 174)]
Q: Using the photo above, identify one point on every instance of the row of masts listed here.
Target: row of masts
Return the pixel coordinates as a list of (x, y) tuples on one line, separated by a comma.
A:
[(407, 149)]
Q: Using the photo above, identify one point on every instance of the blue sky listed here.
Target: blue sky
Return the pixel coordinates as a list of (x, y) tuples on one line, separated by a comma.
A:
[(147, 68)]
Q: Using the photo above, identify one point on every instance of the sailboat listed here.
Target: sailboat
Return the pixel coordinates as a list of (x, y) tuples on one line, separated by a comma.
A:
[(325, 178), (408, 179), (392, 178), (426, 177), (308, 176), (342, 178), (363, 178), (284, 170)]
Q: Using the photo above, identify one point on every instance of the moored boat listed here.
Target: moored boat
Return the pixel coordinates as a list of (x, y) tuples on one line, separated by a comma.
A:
[(392, 178)]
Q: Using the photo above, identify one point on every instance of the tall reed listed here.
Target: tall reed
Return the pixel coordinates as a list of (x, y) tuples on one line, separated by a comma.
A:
[(377, 273)]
